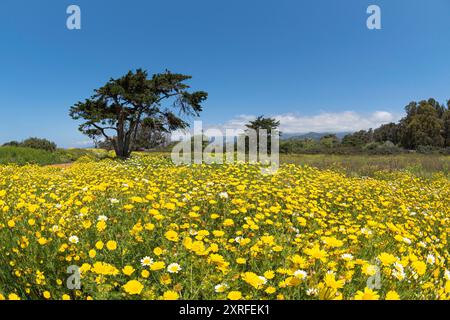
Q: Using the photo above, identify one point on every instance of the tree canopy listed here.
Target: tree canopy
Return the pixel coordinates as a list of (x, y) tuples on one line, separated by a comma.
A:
[(117, 110), (269, 124)]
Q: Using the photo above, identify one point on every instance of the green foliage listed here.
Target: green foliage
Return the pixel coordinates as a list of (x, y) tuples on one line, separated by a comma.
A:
[(358, 139), (427, 149), (270, 125), (23, 156), (37, 143), (151, 134), (33, 143), (329, 141), (262, 123), (387, 132), (12, 144), (446, 126), (423, 125), (385, 148)]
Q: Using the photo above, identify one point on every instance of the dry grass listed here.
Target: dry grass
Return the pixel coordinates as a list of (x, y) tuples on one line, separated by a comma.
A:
[(368, 165)]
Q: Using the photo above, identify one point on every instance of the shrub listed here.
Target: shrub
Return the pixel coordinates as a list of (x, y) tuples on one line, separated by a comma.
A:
[(371, 146), (11, 144), (385, 148), (427, 149), (36, 143)]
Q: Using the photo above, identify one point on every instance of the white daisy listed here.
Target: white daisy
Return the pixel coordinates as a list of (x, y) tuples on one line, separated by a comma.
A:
[(301, 274), (146, 261), (221, 288), (312, 292), (264, 280), (447, 275), (73, 239), (347, 256), (173, 268), (223, 195)]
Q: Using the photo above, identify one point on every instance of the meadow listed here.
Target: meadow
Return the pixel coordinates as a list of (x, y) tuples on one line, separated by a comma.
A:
[(147, 229), (423, 165), (23, 156)]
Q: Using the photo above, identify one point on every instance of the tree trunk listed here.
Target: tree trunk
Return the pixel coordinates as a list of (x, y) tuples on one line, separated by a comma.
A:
[(121, 146)]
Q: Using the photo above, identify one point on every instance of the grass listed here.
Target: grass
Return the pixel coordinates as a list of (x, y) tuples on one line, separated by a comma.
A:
[(367, 165), (353, 165), (23, 156), (422, 165)]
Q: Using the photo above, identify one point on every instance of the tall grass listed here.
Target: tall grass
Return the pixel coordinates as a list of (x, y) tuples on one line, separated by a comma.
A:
[(423, 165), (22, 156), (368, 165)]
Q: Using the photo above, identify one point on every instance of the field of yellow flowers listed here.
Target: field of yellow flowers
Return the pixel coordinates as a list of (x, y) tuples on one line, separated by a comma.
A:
[(147, 229)]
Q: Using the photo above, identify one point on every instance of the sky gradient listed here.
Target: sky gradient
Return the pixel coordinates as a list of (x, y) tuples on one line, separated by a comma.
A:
[(312, 64)]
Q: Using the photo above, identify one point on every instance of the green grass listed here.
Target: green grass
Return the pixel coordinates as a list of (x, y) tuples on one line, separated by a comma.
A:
[(367, 165), (353, 165), (23, 156), (421, 165)]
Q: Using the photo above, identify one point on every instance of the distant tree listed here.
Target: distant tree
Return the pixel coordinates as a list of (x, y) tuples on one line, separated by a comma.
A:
[(387, 132), (261, 123), (446, 126), (358, 139), (11, 144), (422, 125), (440, 109), (269, 124), (329, 141), (425, 127), (37, 143), (117, 110)]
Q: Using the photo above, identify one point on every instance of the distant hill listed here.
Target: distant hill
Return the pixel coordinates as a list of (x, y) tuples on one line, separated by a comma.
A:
[(310, 135)]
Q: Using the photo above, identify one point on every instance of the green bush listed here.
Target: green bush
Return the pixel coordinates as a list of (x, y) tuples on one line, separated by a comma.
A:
[(37, 143), (445, 151), (11, 144), (385, 148)]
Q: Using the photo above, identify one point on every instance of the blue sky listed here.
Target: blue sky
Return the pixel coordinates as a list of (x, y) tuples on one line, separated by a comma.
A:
[(312, 64)]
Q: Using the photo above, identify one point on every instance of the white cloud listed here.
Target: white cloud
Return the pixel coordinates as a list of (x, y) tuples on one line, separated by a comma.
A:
[(84, 143), (347, 121), (334, 122)]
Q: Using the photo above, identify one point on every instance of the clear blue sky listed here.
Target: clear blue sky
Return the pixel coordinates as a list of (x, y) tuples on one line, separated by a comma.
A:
[(302, 58)]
